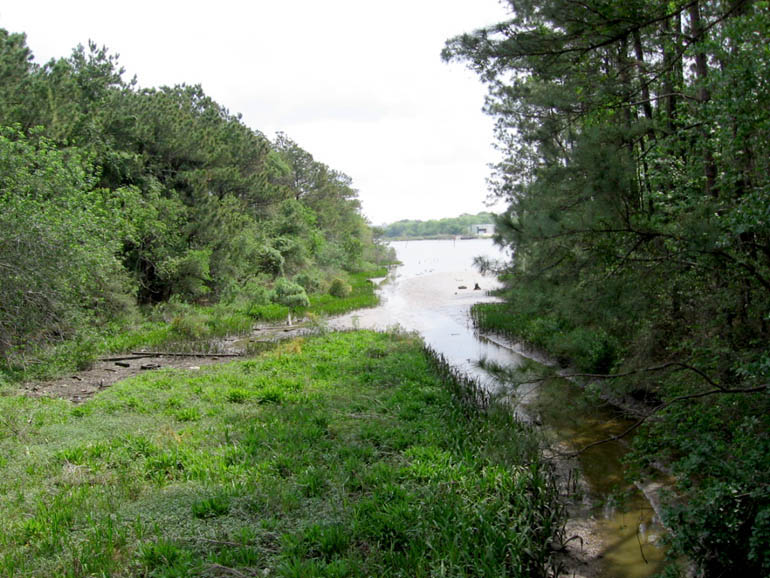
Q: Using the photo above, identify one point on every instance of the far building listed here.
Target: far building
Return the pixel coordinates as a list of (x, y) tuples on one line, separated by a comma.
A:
[(483, 230)]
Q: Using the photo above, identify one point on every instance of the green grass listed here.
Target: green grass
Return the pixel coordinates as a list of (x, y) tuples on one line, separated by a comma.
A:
[(589, 349), (323, 304), (362, 295), (353, 454)]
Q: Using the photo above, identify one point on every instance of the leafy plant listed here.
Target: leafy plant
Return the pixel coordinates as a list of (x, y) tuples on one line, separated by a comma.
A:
[(339, 288), (290, 294)]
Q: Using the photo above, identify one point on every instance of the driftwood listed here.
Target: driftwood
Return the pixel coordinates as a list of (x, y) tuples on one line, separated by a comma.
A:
[(146, 354), (126, 357), (178, 354)]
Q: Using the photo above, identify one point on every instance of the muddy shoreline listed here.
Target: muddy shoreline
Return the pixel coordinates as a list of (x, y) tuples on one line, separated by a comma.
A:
[(83, 385)]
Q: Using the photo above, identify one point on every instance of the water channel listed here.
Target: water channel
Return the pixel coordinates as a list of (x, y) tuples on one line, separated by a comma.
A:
[(431, 293)]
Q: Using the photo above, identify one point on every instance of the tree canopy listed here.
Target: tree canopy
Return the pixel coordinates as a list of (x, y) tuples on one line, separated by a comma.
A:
[(112, 195), (637, 173)]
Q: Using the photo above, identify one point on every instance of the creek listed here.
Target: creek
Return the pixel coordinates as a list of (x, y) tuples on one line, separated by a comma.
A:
[(431, 293)]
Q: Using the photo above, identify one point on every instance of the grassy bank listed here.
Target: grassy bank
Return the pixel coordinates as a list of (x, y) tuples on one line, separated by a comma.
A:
[(181, 326), (591, 350), (352, 454)]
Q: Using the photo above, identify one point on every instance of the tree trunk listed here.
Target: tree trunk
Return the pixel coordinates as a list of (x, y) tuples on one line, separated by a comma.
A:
[(702, 93)]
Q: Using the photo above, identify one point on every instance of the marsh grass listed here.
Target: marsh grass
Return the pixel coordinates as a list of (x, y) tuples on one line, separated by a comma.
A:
[(347, 454), (591, 350)]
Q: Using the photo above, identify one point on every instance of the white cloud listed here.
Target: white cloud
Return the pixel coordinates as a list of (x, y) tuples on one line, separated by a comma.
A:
[(358, 83)]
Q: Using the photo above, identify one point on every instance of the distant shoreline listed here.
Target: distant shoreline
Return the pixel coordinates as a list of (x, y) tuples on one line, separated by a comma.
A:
[(436, 238)]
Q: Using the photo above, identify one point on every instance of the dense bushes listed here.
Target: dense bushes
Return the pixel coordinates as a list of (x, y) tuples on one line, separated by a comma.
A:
[(59, 238), (113, 196), (339, 288), (590, 350), (290, 294)]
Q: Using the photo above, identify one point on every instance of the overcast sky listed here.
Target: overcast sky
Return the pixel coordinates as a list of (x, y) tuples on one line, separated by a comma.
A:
[(357, 83)]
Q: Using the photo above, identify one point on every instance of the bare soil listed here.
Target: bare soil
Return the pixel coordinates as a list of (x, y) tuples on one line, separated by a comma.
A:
[(83, 385)]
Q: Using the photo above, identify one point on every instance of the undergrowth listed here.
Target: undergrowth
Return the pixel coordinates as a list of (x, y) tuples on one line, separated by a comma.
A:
[(590, 350)]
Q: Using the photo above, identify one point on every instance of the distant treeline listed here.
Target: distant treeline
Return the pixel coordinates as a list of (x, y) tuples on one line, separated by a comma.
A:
[(436, 228), (113, 196)]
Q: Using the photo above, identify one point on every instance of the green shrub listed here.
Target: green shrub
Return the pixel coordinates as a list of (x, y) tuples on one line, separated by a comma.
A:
[(188, 274), (340, 288), (290, 294), (310, 281), (591, 350), (270, 261), (190, 325), (268, 312), (251, 292)]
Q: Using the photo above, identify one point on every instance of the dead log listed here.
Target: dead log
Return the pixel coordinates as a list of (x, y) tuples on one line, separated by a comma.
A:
[(178, 354)]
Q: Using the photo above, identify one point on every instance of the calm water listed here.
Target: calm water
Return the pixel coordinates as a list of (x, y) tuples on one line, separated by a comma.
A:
[(431, 293)]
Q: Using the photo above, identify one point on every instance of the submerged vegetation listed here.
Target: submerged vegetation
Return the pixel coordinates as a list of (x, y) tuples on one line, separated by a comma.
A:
[(349, 454), (636, 141)]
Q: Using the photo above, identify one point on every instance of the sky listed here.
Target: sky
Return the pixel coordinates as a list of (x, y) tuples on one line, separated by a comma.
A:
[(359, 84)]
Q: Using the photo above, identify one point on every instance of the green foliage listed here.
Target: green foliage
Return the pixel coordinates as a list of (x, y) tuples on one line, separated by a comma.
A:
[(218, 505), (190, 325), (362, 295), (164, 558), (113, 195), (589, 350), (348, 453), (339, 288), (270, 261), (309, 280), (269, 312), (58, 241), (290, 294), (636, 139), (435, 228), (188, 273)]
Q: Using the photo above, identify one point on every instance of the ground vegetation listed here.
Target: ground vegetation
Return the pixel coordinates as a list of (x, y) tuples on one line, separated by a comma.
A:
[(348, 454)]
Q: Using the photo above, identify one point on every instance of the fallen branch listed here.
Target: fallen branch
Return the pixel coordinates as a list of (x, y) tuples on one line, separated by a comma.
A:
[(178, 354), (126, 357)]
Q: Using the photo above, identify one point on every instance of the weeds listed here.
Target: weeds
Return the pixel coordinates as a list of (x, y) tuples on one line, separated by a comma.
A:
[(348, 454)]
